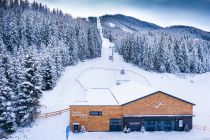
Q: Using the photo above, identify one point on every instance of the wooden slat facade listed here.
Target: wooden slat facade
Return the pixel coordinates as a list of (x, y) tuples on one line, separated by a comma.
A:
[(155, 104)]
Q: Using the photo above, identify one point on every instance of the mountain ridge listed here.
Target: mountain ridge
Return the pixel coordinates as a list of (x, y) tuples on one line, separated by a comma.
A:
[(136, 25)]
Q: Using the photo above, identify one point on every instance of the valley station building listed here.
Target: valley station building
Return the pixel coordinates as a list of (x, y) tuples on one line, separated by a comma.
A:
[(132, 105)]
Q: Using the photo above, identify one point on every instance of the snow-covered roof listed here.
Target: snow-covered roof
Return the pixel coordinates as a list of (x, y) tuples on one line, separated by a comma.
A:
[(131, 91), (119, 94), (98, 97)]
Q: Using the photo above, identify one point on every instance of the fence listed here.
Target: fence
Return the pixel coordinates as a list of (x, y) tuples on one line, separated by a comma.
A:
[(109, 69), (55, 113), (202, 128)]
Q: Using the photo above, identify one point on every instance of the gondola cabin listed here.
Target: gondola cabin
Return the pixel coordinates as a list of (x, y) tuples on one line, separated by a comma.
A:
[(134, 106)]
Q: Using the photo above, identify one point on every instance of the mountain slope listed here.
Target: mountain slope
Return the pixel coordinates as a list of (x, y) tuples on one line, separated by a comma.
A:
[(67, 91), (129, 22), (194, 32), (120, 25), (181, 49)]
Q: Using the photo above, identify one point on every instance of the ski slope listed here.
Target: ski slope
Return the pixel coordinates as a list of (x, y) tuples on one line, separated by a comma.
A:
[(96, 73)]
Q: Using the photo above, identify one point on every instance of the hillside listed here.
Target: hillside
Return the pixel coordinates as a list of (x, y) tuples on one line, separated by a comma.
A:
[(195, 32), (129, 22), (36, 44), (194, 88), (175, 49), (122, 24), (49, 60)]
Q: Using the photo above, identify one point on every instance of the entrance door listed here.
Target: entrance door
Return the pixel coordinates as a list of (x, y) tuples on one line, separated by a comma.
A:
[(76, 127), (115, 124)]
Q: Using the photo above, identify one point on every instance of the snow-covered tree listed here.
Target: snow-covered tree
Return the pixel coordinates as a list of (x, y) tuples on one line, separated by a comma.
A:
[(160, 61), (47, 74), (36, 44), (29, 94), (7, 99), (165, 52)]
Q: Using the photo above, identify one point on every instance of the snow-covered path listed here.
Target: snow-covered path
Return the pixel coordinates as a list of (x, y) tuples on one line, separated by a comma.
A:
[(195, 88)]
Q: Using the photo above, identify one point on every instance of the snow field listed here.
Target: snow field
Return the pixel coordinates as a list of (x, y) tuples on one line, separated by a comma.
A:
[(194, 88)]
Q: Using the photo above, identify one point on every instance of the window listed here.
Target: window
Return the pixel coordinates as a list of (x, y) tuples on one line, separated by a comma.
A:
[(181, 124), (150, 125), (95, 113)]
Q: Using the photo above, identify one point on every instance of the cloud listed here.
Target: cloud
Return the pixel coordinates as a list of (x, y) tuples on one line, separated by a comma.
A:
[(202, 6), (162, 12)]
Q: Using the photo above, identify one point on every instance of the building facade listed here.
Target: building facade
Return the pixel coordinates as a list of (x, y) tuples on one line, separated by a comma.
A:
[(157, 111)]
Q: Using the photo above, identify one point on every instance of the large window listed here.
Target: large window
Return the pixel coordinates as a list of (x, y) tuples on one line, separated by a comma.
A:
[(150, 125), (167, 125), (115, 124), (95, 113)]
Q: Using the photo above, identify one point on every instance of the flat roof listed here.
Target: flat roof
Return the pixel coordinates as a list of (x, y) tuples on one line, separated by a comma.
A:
[(98, 97), (122, 94)]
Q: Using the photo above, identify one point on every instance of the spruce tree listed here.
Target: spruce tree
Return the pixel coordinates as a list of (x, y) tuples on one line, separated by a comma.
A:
[(7, 99), (47, 74), (160, 56), (29, 94)]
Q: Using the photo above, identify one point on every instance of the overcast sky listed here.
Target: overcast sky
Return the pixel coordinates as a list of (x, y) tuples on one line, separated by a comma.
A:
[(161, 12)]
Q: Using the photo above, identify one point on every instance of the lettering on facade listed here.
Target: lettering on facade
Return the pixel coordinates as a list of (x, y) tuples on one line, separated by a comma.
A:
[(79, 114), (135, 123)]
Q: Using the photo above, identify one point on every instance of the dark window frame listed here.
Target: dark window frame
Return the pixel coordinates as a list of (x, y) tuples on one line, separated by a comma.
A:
[(95, 113)]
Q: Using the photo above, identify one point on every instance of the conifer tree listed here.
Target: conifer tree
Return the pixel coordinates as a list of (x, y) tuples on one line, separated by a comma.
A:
[(7, 99), (29, 94)]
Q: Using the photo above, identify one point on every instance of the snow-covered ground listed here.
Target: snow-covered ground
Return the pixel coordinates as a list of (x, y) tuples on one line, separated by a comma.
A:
[(111, 24), (97, 73), (124, 28)]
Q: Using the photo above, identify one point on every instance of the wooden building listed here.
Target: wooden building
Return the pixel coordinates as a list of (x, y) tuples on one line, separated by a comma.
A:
[(132, 105)]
